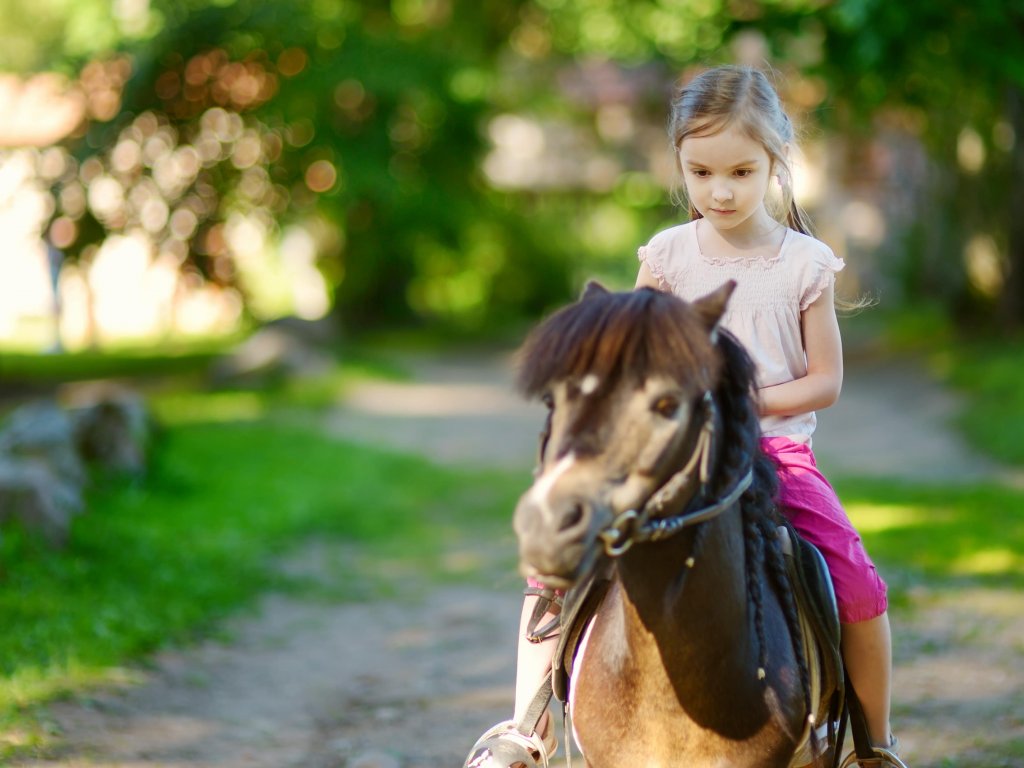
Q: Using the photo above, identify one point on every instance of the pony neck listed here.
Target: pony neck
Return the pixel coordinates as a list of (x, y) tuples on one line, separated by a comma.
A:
[(684, 612)]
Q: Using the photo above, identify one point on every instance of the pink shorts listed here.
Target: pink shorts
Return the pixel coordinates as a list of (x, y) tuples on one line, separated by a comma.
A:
[(813, 507)]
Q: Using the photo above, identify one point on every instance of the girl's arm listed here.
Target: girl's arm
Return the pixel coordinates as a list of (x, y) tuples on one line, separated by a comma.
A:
[(645, 279), (824, 349)]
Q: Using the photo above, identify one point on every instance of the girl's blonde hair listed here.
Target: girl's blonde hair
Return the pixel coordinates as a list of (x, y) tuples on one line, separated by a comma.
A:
[(740, 96), (743, 96)]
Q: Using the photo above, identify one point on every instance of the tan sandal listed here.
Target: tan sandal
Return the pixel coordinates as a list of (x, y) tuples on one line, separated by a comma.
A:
[(505, 746)]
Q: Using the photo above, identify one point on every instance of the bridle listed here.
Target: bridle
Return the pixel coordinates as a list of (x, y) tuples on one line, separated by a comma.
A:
[(635, 526)]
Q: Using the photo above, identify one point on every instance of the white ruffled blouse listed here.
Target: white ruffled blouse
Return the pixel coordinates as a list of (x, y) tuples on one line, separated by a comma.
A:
[(764, 311)]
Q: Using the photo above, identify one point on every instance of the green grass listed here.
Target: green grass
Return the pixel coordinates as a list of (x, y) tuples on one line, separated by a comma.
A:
[(946, 535), (161, 561), (991, 376), (73, 366)]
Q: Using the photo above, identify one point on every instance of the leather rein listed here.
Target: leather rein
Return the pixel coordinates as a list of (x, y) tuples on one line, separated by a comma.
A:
[(636, 526)]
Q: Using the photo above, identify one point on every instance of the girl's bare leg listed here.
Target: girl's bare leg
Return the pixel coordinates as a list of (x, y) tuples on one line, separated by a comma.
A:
[(867, 651), (533, 663)]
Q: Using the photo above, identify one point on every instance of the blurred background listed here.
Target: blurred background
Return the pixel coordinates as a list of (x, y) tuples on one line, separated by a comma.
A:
[(180, 169), (262, 264)]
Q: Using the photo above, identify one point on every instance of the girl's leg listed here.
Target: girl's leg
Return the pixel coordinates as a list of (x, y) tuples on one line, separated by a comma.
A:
[(533, 663), (867, 652)]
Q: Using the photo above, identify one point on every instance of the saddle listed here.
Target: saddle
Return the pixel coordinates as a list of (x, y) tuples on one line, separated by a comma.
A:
[(820, 633)]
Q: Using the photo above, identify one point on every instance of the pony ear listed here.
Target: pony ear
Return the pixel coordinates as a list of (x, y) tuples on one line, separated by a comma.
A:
[(592, 289), (712, 307)]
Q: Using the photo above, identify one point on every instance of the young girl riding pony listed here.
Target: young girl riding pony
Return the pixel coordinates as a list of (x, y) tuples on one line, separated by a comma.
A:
[(732, 141)]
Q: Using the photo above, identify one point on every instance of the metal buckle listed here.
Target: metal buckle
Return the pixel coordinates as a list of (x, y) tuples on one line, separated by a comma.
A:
[(618, 537)]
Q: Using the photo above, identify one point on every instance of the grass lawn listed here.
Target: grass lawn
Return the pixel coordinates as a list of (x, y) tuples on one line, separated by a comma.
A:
[(159, 562), (945, 535), (991, 375)]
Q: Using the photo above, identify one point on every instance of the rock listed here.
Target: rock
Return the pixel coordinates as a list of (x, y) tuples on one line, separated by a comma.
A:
[(42, 431), (40, 500), (45, 451), (114, 432)]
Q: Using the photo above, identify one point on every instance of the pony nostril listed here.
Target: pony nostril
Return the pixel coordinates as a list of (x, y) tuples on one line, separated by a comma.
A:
[(573, 518)]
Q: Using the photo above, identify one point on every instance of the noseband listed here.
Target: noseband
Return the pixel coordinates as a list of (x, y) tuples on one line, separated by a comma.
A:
[(635, 526)]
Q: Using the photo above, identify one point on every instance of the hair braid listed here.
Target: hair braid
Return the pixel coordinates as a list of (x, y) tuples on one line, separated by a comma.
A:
[(761, 518), (755, 587)]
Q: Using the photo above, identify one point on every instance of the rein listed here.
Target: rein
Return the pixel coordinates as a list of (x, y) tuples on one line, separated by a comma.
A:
[(647, 524)]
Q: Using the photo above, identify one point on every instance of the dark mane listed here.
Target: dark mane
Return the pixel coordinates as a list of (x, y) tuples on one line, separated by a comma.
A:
[(634, 334)]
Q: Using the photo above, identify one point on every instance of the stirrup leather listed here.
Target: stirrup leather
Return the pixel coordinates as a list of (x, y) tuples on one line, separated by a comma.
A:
[(504, 746)]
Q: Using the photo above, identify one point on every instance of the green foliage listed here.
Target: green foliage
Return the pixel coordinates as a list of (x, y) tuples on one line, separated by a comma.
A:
[(384, 101), (389, 101), (57, 34), (155, 562), (962, 99)]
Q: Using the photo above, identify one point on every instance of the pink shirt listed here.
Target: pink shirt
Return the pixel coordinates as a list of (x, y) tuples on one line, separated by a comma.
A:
[(764, 311)]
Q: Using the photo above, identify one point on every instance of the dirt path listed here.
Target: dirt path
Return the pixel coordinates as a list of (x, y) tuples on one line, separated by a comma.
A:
[(410, 682)]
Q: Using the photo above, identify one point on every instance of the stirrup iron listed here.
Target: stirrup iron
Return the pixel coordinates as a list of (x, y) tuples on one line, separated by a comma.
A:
[(886, 758), (504, 745)]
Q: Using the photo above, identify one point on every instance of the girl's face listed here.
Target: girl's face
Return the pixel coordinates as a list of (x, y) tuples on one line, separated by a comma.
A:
[(727, 176)]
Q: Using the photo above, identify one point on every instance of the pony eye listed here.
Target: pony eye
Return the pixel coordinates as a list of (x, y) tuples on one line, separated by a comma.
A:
[(666, 406)]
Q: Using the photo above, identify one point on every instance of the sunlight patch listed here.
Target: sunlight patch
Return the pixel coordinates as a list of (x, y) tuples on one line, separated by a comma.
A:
[(221, 407), (876, 518), (988, 561)]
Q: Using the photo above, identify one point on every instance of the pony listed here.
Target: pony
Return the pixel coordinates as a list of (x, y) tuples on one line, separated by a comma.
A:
[(650, 470)]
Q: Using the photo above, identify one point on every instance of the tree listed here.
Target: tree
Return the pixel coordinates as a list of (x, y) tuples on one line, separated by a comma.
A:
[(361, 119)]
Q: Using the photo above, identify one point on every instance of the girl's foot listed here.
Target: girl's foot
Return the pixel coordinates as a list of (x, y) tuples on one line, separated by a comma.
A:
[(887, 757)]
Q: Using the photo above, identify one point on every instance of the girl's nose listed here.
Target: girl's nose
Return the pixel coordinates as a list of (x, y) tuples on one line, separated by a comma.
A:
[(721, 194)]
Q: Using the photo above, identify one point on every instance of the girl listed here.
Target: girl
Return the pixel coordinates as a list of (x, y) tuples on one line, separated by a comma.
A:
[(731, 140)]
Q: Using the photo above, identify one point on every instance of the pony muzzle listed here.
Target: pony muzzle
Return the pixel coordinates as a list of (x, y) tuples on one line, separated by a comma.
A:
[(555, 541)]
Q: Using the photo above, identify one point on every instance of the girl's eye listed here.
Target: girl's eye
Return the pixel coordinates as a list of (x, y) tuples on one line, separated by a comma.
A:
[(548, 400), (742, 172), (666, 406), (700, 173)]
